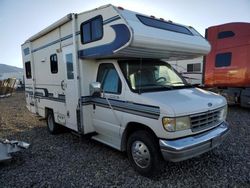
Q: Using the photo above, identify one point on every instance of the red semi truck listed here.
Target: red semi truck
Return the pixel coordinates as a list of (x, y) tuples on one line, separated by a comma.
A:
[(227, 66)]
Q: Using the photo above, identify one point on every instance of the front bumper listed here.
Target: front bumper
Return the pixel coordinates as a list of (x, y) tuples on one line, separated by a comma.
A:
[(188, 147)]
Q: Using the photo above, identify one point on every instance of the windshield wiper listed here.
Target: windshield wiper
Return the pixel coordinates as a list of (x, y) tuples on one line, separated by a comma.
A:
[(178, 83), (166, 86), (185, 85), (152, 89)]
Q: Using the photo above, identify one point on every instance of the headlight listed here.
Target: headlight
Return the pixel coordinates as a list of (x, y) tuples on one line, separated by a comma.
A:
[(169, 124), (176, 124), (223, 113)]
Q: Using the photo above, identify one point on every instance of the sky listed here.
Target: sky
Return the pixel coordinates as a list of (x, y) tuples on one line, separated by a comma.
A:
[(20, 19)]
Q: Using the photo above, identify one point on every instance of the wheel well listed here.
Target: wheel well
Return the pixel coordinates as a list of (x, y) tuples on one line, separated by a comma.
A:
[(131, 128), (47, 110)]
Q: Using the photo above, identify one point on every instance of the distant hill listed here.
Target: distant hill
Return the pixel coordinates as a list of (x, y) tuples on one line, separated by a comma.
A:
[(7, 68)]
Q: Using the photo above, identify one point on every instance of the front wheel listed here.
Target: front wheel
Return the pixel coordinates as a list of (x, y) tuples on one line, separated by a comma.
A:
[(143, 153)]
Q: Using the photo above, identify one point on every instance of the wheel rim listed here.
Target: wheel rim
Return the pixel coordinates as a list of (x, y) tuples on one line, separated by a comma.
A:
[(140, 154), (50, 122)]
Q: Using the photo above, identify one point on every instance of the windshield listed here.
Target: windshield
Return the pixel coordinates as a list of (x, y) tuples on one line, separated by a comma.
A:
[(150, 75)]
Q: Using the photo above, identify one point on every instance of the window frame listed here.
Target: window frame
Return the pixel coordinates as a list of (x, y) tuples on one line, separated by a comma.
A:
[(217, 56), (140, 18), (109, 66), (30, 70), (51, 56), (90, 22)]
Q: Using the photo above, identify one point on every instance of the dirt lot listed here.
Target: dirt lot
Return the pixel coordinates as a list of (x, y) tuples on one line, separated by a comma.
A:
[(66, 160)]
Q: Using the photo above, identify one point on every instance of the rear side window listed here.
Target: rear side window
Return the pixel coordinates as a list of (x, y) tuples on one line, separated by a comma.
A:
[(223, 59), (53, 64), (26, 51), (195, 67), (225, 34), (86, 32), (28, 69), (92, 30), (109, 79), (69, 65), (160, 24)]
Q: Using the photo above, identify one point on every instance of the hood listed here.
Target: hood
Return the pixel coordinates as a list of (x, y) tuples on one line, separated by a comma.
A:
[(181, 102)]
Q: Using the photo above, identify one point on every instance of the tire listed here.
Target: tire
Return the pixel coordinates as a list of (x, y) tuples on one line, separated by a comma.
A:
[(143, 153), (52, 126)]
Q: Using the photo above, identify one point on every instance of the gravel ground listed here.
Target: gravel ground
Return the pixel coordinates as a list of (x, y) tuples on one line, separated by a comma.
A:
[(66, 160)]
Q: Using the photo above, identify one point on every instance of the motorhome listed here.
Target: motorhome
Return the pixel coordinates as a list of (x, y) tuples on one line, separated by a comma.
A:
[(100, 73)]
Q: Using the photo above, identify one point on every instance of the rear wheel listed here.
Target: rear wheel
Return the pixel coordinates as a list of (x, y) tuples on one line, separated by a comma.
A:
[(52, 126), (143, 153)]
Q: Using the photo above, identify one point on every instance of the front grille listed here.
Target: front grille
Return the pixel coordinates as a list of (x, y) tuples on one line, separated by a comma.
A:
[(205, 120)]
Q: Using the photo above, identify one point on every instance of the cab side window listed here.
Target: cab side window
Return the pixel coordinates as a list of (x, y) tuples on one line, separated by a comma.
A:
[(109, 79)]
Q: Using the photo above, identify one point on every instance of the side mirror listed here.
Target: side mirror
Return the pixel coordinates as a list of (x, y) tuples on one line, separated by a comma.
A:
[(95, 89)]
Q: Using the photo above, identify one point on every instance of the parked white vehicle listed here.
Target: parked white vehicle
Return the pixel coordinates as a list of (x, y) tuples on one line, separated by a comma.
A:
[(100, 73), (191, 69)]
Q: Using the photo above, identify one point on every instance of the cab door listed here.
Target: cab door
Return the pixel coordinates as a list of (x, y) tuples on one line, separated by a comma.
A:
[(106, 118)]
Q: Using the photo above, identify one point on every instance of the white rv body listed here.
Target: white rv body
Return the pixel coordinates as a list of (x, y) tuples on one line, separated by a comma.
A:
[(65, 90)]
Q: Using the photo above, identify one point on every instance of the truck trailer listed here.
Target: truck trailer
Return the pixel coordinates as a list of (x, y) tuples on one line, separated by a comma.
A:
[(100, 73), (227, 66)]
